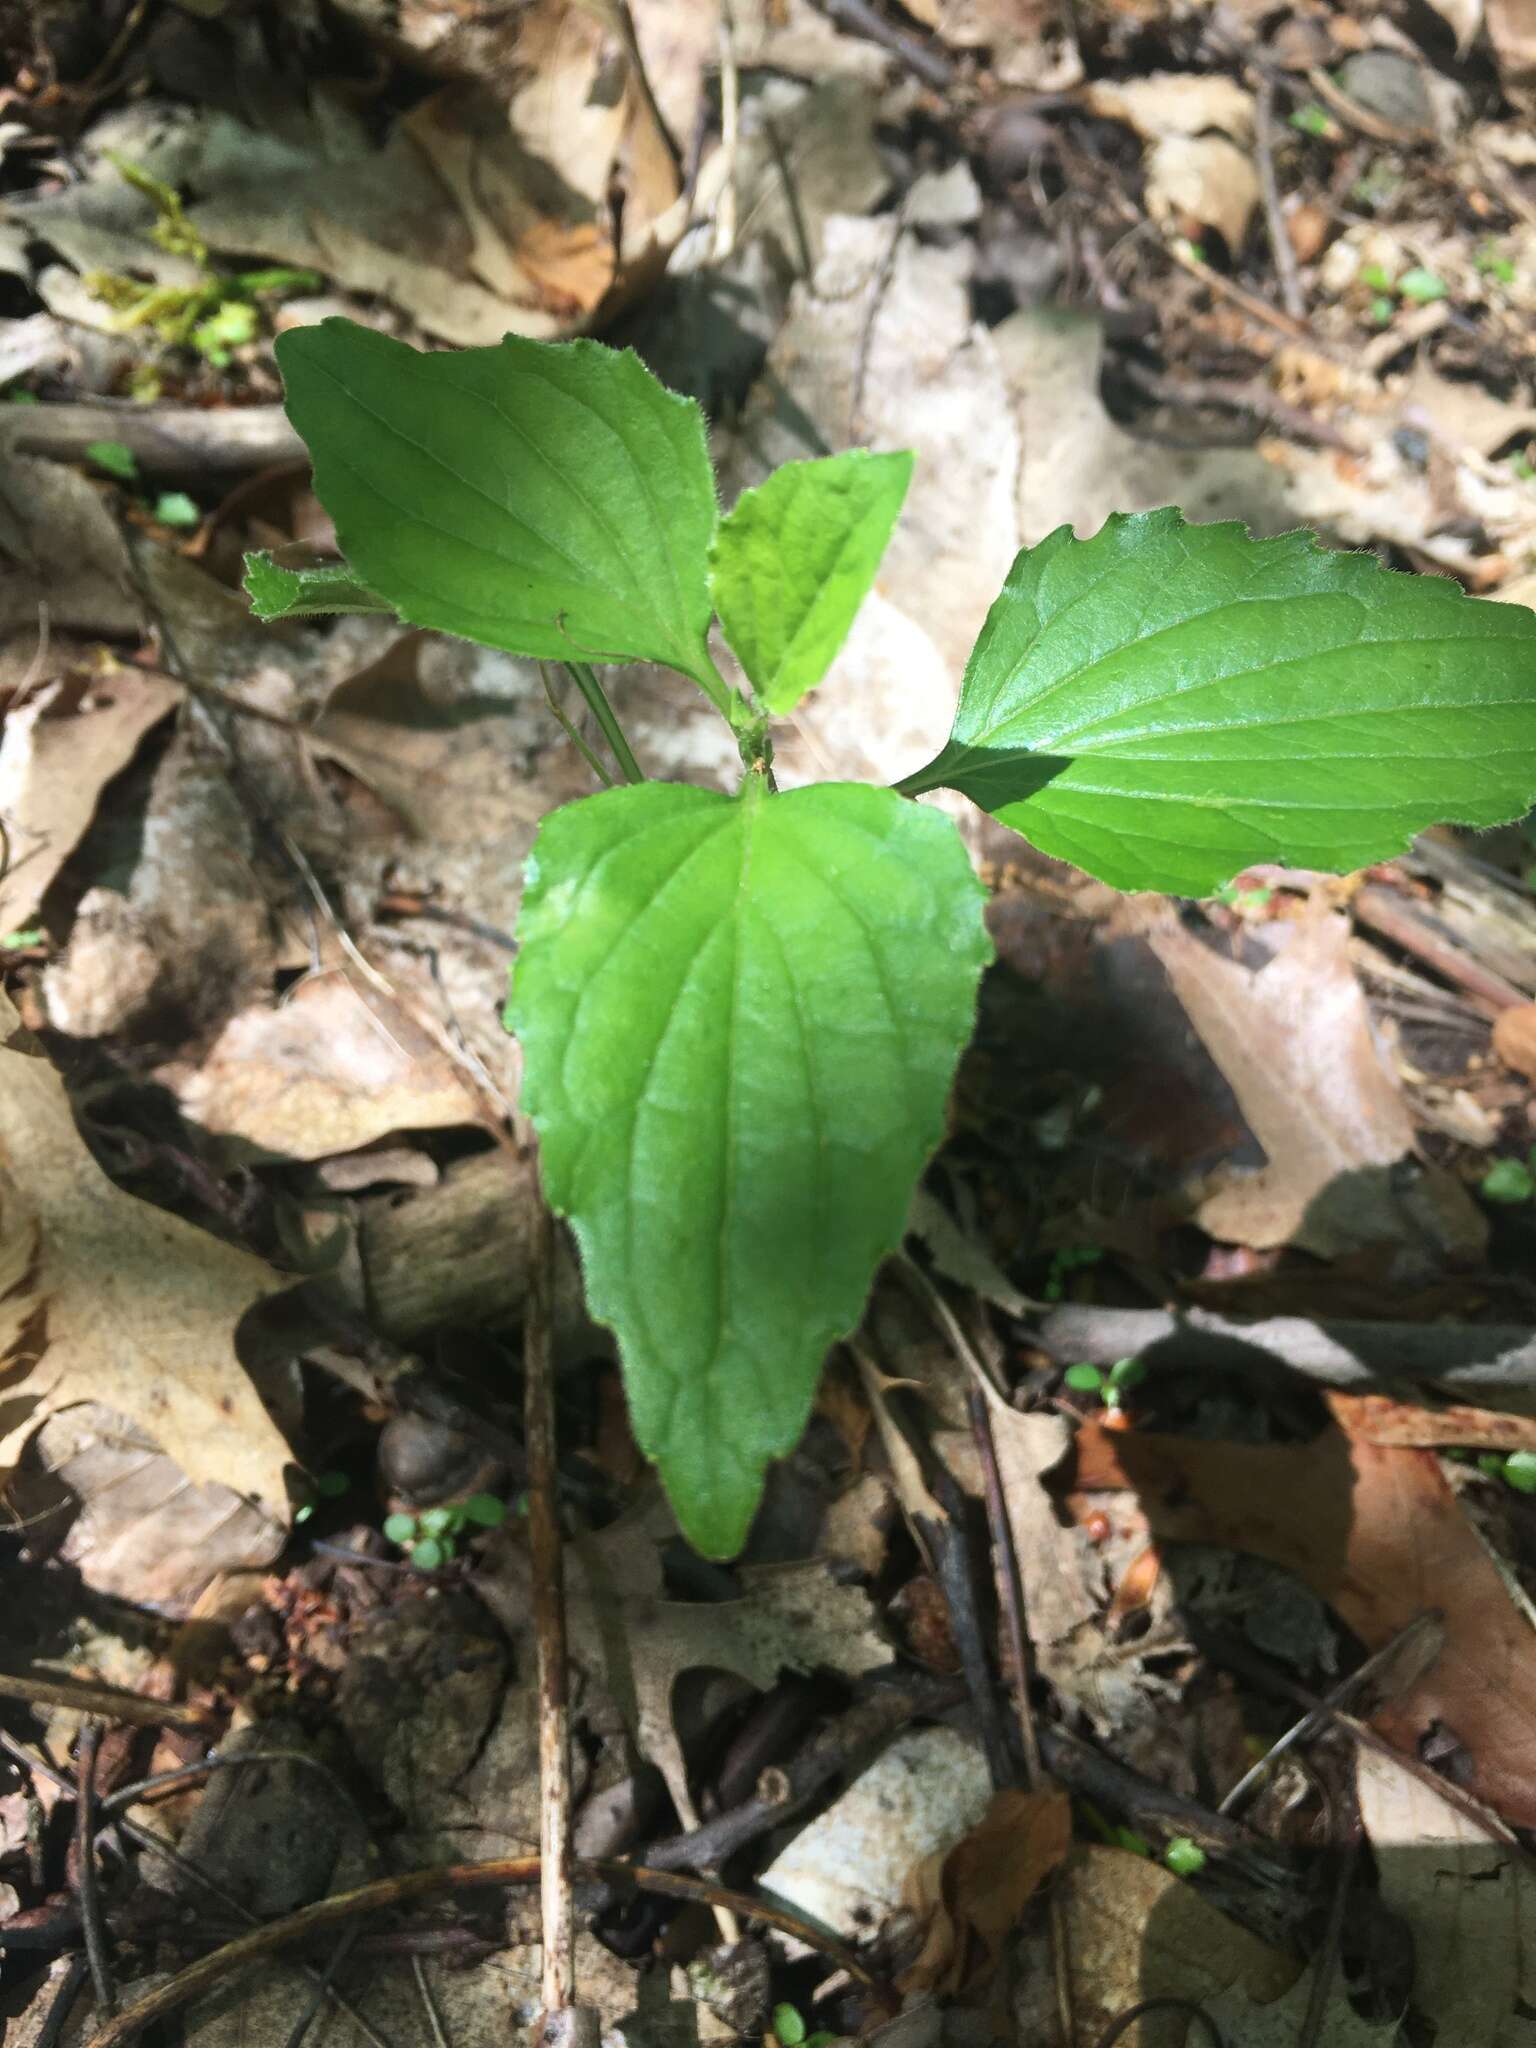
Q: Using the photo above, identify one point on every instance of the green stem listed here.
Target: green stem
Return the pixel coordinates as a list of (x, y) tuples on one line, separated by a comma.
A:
[(570, 731), (586, 681)]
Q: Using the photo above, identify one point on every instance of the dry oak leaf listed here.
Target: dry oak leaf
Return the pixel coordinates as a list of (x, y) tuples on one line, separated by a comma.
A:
[(1514, 1038), (1376, 1531), (973, 1895), (106, 1298), (1380, 1420)]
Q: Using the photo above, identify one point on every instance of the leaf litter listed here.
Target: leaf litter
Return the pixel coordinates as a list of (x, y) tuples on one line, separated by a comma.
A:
[(1068, 307)]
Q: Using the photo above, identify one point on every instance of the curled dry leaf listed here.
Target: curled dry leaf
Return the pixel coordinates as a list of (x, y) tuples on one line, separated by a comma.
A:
[(334, 1068), (1174, 103), (1195, 182), (58, 750), (1294, 1043), (1377, 1532), (1514, 1038), (973, 1895), (1378, 1420), (1470, 1902), (106, 1298)]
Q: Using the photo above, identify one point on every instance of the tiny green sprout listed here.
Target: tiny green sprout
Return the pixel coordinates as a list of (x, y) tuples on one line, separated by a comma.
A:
[(438, 1521), (1522, 465), (1492, 262), (788, 2027), (1083, 1379), (1375, 278), (430, 1552), (484, 1510), (1126, 1373), (1520, 1471), (115, 457), (17, 942), (228, 327), (1236, 898), (1422, 286), (175, 508), (1491, 1463), (400, 1529), (1128, 1838), (822, 2038), (1381, 311), (1510, 1181), (1185, 1858), (1314, 120), (332, 1485)]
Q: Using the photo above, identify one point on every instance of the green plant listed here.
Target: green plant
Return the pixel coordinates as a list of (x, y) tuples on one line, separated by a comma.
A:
[(740, 1014), (115, 457), (1111, 1386), (432, 1536), (1184, 1856), (1510, 1181)]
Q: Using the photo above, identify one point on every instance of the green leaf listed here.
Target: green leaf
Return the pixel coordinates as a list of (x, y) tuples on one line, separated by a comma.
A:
[(175, 508), (430, 1552), (484, 1510), (1422, 286), (115, 457), (1166, 705), (794, 560), (1520, 1471), (551, 499), (438, 1521), (1508, 1180), (307, 591), (788, 2026), (1184, 1856), (400, 1528), (739, 1021), (1083, 1379)]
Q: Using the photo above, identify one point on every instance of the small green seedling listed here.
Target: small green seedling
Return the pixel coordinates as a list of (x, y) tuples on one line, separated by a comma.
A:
[(1510, 1181), (1110, 1386), (432, 1536), (20, 941), (1184, 1857), (1421, 287), (1070, 1259), (175, 508), (115, 457), (740, 1015), (1313, 119), (1492, 262)]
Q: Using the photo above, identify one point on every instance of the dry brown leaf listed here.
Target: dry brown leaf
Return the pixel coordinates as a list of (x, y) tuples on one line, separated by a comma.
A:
[(1514, 1038), (1202, 181), (58, 750), (1174, 103), (95, 1493), (1135, 1932), (333, 1068), (1294, 1043), (637, 1644), (1379, 1420), (1469, 1901), (60, 549), (105, 1298), (1511, 26), (973, 1895), (1378, 1533)]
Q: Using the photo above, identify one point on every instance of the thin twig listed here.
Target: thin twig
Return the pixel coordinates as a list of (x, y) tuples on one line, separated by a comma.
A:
[(1406, 1640), (109, 1701), (858, 18), (730, 134), (52, 2029), (276, 1935), (1012, 1584), (1250, 302), (429, 2003), (1280, 243), (322, 1990), (1326, 1962), (547, 1562), (1124, 2021), (85, 1851)]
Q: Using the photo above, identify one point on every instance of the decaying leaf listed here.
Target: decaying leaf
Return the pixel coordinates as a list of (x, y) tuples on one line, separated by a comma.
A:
[(60, 548), (58, 750), (1378, 1420), (93, 1491), (973, 1896), (1135, 1932), (335, 1067), (1469, 1901), (1377, 1532), (1295, 1044), (105, 1298)]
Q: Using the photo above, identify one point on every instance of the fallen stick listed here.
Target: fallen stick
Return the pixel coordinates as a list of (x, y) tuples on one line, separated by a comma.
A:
[(180, 440), (1491, 1362)]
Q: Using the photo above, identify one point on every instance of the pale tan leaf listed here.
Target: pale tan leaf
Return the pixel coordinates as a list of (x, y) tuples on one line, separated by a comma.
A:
[(973, 1896), (106, 1298), (1469, 1900), (58, 750)]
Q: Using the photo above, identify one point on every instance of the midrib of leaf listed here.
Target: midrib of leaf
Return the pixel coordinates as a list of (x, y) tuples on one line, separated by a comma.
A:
[(1083, 735), (414, 517)]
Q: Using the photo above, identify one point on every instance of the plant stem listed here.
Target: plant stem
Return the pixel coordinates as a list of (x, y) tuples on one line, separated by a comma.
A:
[(585, 679)]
